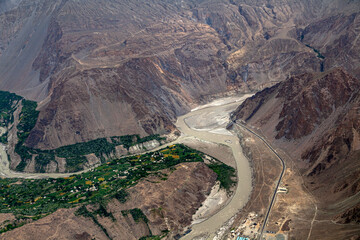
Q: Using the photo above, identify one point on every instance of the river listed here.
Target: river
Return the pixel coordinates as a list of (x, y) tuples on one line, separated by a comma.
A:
[(207, 123)]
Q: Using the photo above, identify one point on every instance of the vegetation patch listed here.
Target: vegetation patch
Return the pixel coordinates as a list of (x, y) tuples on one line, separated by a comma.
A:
[(75, 154), (121, 196), (110, 180), (225, 174), (27, 121), (82, 211), (11, 226), (8, 103), (42, 160), (101, 211), (74, 164), (319, 55), (138, 215), (99, 146)]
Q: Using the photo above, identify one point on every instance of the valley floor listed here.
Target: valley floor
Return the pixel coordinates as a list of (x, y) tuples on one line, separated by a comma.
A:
[(296, 213), (204, 129), (241, 213)]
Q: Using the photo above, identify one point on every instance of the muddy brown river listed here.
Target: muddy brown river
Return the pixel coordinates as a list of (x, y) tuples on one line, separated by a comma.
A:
[(208, 123), (205, 123)]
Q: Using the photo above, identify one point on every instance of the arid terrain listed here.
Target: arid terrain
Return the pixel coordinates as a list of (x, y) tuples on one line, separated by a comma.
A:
[(142, 63), (100, 81), (312, 119)]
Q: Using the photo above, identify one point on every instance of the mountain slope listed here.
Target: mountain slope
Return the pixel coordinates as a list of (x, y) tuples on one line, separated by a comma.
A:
[(315, 119), (101, 68)]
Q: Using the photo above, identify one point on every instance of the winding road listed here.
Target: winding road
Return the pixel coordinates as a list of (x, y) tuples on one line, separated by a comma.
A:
[(278, 182)]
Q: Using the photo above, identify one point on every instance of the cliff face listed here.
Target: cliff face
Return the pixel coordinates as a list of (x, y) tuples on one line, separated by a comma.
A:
[(101, 68), (309, 99), (315, 118)]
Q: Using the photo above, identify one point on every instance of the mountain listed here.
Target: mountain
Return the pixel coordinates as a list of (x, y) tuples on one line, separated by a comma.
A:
[(96, 80), (315, 118), (112, 68)]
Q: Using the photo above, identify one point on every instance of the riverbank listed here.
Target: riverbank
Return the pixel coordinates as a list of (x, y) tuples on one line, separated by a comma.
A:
[(201, 123)]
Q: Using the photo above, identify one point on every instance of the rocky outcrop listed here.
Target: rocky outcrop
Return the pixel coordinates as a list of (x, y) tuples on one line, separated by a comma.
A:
[(139, 148), (350, 216), (309, 99), (303, 102), (336, 37)]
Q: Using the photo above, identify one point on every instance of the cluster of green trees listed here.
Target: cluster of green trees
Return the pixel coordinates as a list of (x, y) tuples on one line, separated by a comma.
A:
[(27, 121), (121, 195), (137, 214), (225, 174), (82, 211), (8, 102), (11, 226), (75, 153), (130, 140), (25, 197), (110, 180)]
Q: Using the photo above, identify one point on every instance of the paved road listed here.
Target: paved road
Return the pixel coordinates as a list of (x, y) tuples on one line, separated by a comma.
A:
[(280, 177)]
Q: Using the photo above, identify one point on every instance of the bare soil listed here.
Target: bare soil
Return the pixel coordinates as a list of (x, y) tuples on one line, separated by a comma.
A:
[(266, 169), (296, 214)]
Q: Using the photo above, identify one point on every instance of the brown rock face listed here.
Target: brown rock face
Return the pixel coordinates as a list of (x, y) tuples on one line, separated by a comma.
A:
[(336, 37), (175, 199), (350, 216), (62, 224), (315, 119), (101, 68), (168, 205), (305, 101), (309, 99)]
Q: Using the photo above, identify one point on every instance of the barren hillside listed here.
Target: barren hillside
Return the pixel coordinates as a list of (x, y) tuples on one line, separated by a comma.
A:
[(314, 118), (102, 68)]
